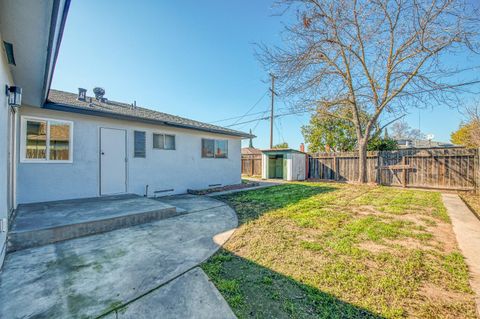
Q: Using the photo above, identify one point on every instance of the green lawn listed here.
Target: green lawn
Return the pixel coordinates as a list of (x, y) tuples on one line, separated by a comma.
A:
[(324, 250)]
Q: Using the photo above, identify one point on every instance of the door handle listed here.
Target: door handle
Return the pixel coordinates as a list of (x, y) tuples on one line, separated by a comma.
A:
[(103, 153)]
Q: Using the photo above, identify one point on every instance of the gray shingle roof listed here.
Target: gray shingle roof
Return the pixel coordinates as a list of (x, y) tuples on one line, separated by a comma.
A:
[(68, 102)]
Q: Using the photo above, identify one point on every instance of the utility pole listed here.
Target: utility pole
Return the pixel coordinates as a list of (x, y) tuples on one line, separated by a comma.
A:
[(271, 110), (250, 145)]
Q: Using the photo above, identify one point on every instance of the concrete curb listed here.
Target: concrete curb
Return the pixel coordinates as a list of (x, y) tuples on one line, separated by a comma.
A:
[(240, 190)]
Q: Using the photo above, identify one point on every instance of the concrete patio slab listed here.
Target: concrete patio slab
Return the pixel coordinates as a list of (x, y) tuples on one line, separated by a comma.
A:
[(467, 230), (185, 202), (45, 223), (191, 295), (90, 276)]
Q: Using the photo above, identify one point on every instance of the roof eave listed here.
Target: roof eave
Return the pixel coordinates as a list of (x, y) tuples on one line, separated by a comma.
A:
[(54, 47), (80, 110)]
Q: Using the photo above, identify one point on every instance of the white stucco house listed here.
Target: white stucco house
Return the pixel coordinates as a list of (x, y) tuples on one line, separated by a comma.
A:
[(79, 146), (56, 145)]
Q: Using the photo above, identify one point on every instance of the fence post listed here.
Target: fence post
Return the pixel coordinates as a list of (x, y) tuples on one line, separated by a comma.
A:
[(335, 167), (307, 166), (379, 167)]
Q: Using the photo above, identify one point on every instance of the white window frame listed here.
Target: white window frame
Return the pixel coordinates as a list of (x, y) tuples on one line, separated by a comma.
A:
[(23, 141), (164, 149)]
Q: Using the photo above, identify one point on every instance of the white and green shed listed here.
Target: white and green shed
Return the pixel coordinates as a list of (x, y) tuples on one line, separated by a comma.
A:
[(287, 164)]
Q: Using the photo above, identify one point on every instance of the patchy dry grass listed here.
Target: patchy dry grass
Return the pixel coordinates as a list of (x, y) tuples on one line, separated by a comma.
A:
[(318, 250), (472, 200)]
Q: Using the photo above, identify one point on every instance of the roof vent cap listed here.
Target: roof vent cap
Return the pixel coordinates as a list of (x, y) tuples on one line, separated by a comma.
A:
[(99, 93)]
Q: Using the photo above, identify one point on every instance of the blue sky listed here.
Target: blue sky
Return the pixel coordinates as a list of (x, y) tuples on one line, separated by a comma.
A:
[(193, 59)]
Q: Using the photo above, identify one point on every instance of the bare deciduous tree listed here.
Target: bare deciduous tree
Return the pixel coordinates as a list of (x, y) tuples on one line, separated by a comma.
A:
[(401, 130), (373, 56)]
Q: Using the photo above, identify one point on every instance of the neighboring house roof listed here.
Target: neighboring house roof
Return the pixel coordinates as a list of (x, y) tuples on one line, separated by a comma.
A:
[(68, 102), (417, 143), (251, 151)]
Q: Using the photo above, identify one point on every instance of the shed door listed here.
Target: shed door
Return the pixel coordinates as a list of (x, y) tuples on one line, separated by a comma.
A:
[(113, 161), (279, 167)]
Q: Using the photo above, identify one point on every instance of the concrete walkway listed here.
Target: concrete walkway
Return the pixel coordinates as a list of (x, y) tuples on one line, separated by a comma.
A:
[(467, 230), (92, 276), (192, 295)]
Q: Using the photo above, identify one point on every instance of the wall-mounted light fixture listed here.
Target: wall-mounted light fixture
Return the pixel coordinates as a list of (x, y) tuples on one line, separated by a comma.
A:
[(14, 94)]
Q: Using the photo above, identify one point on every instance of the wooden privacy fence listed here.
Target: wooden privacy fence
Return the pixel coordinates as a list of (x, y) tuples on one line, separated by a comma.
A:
[(252, 165), (448, 168)]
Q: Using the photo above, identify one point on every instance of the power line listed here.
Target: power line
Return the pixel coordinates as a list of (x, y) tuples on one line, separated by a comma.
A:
[(258, 121), (250, 109), (264, 117), (280, 129), (251, 114), (236, 117), (268, 117), (246, 113)]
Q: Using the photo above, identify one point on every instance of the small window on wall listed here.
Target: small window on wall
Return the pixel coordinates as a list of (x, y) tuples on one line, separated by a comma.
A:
[(214, 148), (139, 144), (46, 140), (163, 141)]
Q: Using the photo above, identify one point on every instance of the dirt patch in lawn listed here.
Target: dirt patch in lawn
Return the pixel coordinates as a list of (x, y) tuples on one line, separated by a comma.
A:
[(309, 250), (433, 292)]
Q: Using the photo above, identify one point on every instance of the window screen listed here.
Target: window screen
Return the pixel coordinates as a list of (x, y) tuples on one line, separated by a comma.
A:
[(221, 149), (208, 148), (36, 140), (214, 148), (163, 141), (139, 144), (169, 142), (158, 141), (59, 141)]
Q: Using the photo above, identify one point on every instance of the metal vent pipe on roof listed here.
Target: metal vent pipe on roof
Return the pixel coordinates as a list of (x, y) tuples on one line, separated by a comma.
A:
[(82, 94)]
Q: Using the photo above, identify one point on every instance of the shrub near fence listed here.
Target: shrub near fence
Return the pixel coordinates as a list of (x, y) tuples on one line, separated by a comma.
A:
[(252, 165), (448, 168)]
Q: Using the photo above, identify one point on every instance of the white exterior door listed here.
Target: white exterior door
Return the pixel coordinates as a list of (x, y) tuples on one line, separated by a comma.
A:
[(113, 161)]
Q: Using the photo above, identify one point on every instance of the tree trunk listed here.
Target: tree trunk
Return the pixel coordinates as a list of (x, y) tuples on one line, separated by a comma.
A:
[(362, 161)]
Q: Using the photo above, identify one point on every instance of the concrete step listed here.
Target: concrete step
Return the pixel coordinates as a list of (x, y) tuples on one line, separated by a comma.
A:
[(49, 222)]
